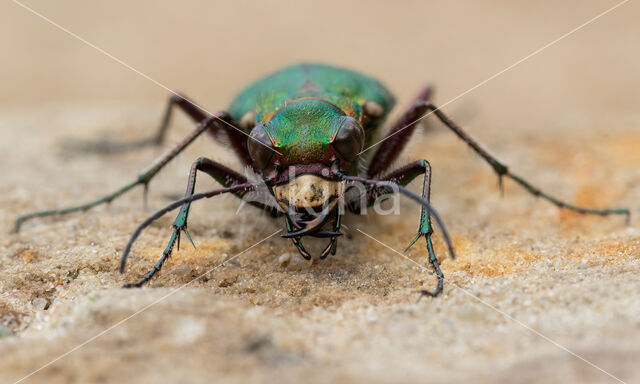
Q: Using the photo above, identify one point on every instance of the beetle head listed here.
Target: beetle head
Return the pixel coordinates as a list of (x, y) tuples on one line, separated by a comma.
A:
[(300, 144), (306, 131)]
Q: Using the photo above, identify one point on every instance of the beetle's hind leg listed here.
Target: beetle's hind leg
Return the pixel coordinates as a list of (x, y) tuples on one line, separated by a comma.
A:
[(397, 137), (108, 146)]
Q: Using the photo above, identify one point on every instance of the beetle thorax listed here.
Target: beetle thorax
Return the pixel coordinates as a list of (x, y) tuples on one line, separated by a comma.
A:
[(302, 130)]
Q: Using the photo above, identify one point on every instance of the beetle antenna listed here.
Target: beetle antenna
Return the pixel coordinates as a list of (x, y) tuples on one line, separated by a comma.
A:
[(177, 204), (430, 210)]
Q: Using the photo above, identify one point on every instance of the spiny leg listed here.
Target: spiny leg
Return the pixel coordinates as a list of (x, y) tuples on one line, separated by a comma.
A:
[(502, 170), (393, 144), (396, 139), (395, 187), (404, 176), (143, 179), (240, 188), (215, 170)]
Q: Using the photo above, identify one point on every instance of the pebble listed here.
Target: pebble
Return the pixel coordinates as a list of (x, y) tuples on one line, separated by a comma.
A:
[(284, 259), (40, 303), (183, 270)]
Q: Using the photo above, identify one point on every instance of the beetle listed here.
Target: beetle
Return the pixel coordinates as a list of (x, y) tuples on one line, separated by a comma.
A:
[(303, 131)]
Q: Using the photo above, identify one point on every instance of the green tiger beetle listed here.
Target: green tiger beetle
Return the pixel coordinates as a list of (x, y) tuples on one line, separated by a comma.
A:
[(303, 130)]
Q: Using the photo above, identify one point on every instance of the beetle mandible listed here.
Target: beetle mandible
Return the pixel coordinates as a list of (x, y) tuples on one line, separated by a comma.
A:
[(302, 130)]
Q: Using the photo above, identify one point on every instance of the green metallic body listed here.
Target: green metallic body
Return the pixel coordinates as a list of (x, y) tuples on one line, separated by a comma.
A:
[(302, 107)]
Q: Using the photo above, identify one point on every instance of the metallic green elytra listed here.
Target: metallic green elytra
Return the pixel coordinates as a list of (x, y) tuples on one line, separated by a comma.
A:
[(346, 89), (302, 131), (303, 106)]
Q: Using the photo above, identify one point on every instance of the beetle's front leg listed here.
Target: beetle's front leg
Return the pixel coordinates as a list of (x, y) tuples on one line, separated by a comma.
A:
[(404, 176), (179, 225), (216, 170), (158, 265)]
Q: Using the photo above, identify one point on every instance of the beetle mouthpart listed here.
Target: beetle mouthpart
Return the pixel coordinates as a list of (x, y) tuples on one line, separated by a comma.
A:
[(322, 234), (308, 222), (308, 200)]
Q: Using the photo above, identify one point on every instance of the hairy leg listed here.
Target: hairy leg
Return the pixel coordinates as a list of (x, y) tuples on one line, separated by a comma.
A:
[(395, 141)]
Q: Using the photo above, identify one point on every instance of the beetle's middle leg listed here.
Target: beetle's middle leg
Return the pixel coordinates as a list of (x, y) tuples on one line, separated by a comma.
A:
[(143, 179), (502, 170), (396, 139), (400, 132)]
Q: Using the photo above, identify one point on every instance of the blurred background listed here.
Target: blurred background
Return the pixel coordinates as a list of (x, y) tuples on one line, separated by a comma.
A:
[(210, 50)]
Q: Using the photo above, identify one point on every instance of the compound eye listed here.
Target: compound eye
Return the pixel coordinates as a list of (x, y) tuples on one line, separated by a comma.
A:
[(349, 140), (260, 147)]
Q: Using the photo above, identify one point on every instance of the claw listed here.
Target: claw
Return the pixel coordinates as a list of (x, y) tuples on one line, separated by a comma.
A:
[(424, 292)]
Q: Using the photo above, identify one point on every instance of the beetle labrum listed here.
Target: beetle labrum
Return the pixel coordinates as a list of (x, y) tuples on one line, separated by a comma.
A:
[(302, 129)]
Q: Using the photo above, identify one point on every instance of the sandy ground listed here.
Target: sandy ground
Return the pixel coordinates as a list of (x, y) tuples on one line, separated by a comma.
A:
[(531, 282)]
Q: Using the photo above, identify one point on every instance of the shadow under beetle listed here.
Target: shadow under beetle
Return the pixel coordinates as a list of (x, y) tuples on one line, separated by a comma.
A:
[(303, 129)]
